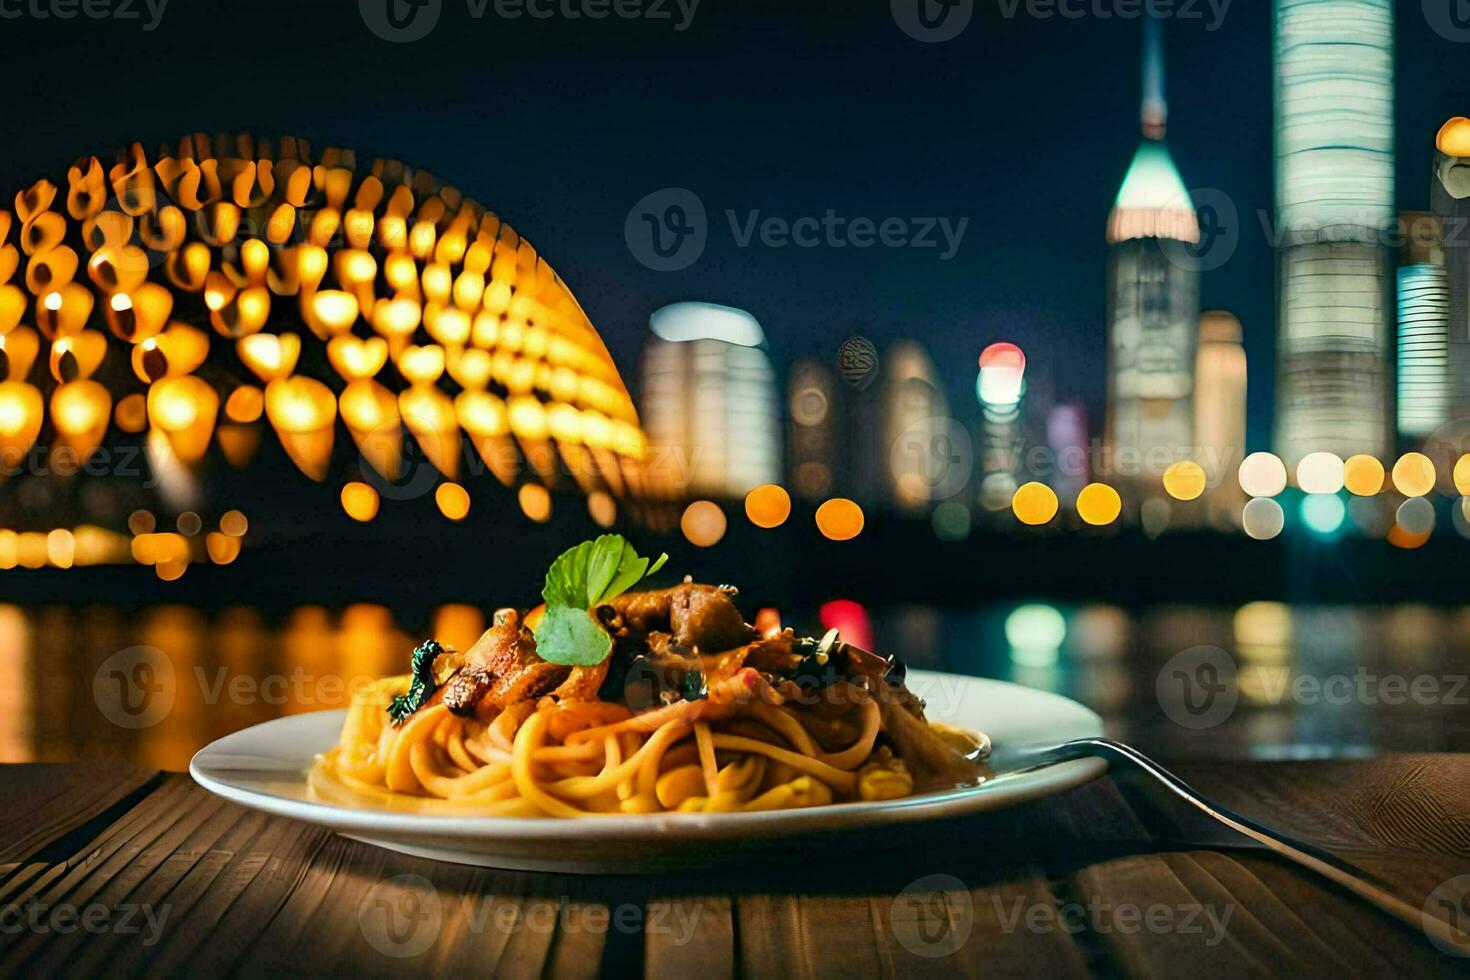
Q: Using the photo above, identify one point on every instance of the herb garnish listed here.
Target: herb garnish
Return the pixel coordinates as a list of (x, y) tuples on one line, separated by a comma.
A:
[(587, 576), (423, 681)]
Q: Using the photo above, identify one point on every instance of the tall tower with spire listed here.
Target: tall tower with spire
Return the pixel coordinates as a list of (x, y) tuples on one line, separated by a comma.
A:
[(1335, 220), (1153, 304)]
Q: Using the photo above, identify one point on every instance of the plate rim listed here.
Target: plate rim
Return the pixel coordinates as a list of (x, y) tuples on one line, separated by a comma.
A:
[(1004, 790)]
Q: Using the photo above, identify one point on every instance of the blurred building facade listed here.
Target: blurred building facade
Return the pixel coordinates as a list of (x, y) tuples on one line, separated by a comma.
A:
[(1220, 414), (709, 399), (813, 431), (917, 436), (1424, 391), (1153, 303), (1334, 215)]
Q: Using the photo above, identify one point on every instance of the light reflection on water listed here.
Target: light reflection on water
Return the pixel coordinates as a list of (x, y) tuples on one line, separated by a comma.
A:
[(153, 685)]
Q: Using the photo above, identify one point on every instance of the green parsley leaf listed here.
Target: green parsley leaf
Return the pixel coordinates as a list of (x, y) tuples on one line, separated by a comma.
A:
[(583, 578), (571, 637)]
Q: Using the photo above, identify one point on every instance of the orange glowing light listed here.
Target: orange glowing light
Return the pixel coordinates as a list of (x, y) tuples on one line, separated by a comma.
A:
[(1099, 504), (360, 502), (535, 502), (840, 519), (453, 501), (703, 523), (245, 404), (1034, 504), (1413, 475), (768, 506)]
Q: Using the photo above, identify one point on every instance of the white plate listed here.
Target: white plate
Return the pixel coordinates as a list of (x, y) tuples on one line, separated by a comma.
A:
[(265, 767)]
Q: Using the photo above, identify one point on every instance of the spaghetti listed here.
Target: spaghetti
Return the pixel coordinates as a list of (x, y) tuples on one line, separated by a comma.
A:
[(773, 722)]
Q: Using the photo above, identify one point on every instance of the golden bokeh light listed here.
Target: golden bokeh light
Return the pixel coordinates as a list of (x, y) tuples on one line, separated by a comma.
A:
[(360, 502), (1184, 480), (453, 501), (535, 501), (1462, 475), (768, 505), (602, 508), (246, 404), (233, 524), (1034, 504), (1413, 475), (840, 519), (1099, 504), (703, 523), (1363, 475)]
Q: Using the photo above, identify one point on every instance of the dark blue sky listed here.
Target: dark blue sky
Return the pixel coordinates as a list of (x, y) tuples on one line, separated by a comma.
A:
[(1023, 125)]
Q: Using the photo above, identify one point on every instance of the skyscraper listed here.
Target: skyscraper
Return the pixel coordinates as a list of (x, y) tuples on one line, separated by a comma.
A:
[(709, 400), (1423, 334), (1153, 303), (1219, 413), (812, 436), (1334, 215), (918, 440)]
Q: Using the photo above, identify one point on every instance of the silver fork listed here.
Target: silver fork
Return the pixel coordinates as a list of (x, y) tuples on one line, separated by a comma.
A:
[(1201, 822)]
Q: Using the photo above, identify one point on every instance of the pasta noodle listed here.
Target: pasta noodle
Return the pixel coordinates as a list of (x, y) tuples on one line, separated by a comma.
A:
[(628, 766), (622, 708)]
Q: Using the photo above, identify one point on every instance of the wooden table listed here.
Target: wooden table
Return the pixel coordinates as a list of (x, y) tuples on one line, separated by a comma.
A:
[(119, 870)]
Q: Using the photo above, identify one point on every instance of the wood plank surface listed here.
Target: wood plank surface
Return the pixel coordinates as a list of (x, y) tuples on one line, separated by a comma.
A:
[(116, 871)]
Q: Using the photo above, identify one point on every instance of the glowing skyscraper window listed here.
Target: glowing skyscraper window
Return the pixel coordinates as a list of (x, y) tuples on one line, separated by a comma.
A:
[(1423, 342), (710, 400), (1334, 206)]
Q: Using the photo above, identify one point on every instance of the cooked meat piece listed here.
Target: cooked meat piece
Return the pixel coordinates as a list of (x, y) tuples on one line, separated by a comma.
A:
[(501, 668), (583, 683), (530, 680), (932, 761), (699, 617)]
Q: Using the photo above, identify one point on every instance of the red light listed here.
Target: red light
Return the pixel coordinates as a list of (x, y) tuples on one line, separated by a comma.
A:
[(851, 620), (1004, 356)]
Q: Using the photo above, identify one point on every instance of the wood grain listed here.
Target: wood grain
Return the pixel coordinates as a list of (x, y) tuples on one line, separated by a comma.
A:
[(1065, 887)]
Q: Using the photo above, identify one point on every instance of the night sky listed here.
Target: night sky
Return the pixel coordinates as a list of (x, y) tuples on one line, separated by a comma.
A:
[(1023, 125)]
